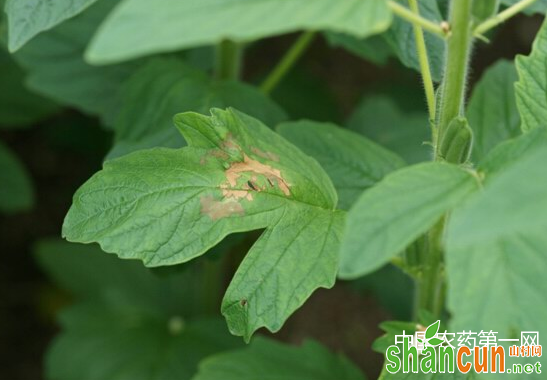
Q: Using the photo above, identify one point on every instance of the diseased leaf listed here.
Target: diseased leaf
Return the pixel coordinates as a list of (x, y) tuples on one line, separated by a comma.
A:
[(405, 133), (164, 87), (496, 253), (16, 192), (56, 68), (492, 111), (18, 106), (27, 18), (395, 212), (353, 162), (138, 27), (531, 88), (134, 324), (310, 361), (167, 206)]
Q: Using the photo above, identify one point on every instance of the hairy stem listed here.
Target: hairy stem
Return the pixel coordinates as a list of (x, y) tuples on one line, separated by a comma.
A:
[(502, 17), (228, 60), (287, 62), (455, 75), (424, 62), (416, 19)]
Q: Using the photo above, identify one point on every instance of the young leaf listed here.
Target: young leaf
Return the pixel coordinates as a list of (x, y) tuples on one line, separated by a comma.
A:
[(400, 208), (18, 106), (497, 252), (310, 361), (56, 68), (381, 119), (164, 87), (532, 85), (492, 110), (353, 162), (27, 18), (167, 206), (133, 323), (16, 192), (432, 330), (139, 27)]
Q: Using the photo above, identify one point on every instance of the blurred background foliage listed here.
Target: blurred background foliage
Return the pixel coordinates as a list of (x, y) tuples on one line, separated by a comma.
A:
[(60, 117)]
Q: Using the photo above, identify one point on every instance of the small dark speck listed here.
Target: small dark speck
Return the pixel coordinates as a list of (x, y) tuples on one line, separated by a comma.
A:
[(243, 302), (250, 184)]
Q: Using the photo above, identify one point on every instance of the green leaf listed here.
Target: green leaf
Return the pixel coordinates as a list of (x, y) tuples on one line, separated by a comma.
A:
[(56, 68), (395, 212), (27, 18), (511, 151), (16, 192), (432, 330), (539, 6), (374, 49), (531, 88), (18, 106), (132, 323), (164, 87), (497, 253), (353, 162), (401, 39), (391, 329), (138, 27), (492, 111), (167, 206), (267, 358), (382, 120)]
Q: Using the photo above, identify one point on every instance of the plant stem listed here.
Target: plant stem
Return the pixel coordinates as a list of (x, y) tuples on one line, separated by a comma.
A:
[(416, 19), (287, 62), (228, 60), (424, 62), (458, 48), (502, 17)]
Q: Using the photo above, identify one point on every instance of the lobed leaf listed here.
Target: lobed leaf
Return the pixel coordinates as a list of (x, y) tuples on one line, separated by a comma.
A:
[(166, 206), (138, 27), (395, 212), (353, 162)]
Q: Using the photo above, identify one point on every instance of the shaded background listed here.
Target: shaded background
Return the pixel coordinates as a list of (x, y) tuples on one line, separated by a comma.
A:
[(63, 151)]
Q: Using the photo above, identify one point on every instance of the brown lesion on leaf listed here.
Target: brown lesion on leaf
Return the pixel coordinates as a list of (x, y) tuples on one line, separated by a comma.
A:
[(256, 168), (220, 209), (267, 155)]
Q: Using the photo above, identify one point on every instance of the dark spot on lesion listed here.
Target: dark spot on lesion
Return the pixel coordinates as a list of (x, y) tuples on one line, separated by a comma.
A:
[(251, 185), (270, 182), (243, 302)]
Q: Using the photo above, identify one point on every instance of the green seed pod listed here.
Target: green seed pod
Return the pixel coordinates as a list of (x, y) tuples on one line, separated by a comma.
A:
[(484, 9), (457, 141)]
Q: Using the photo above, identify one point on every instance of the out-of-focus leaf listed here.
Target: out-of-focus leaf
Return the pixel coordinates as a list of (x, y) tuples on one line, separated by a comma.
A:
[(167, 206), (405, 133), (134, 324), (353, 162), (266, 358), (16, 192), (56, 68), (140, 27), (27, 18), (164, 87), (497, 252), (395, 212), (492, 112), (18, 106), (540, 6), (532, 85), (374, 49)]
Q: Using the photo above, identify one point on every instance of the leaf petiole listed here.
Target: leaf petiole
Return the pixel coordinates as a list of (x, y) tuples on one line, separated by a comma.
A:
[(501, 17), (415, 19)]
